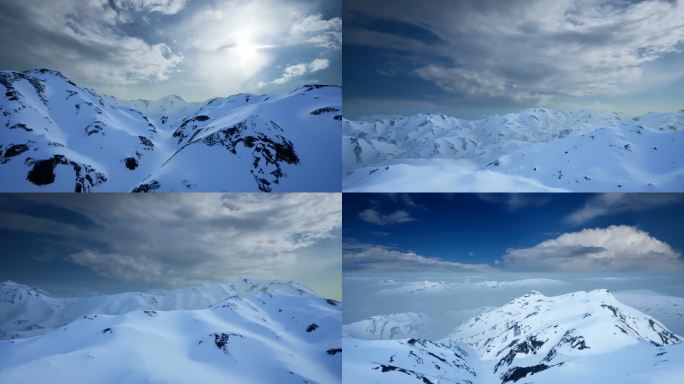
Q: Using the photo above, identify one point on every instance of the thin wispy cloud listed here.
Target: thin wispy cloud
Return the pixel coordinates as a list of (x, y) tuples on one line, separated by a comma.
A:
[(614, 203), (374, 217), (376, 257)]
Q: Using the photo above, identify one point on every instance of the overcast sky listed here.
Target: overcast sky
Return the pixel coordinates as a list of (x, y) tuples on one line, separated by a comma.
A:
[(472, 58), (196, 49), (66, 243), (513, 232)]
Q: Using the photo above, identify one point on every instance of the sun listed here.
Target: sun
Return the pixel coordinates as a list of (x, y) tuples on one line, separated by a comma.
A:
[(246, 49)]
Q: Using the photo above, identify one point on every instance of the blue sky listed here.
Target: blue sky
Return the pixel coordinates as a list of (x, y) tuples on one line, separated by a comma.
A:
[(474, 58), (197, 49), (66, 243), (471, 232)]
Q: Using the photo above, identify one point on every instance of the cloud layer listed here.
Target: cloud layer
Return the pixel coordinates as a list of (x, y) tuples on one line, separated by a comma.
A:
[(375, 257), (154, 48), (181, 239), (615, 248), (523, 53)]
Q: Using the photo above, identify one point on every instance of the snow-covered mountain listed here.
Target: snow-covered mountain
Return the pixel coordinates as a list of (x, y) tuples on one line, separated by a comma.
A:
[(248, 331), (534, 150), (587, 337), (61, 137), (389, 327)]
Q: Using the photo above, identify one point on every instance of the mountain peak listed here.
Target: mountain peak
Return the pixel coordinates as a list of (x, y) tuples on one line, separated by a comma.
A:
[(44, 71)]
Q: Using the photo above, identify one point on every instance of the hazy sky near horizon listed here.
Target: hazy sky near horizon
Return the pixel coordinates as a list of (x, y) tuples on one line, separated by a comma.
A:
[(475, 58), (513, 232), (69, 243), (197, 49)]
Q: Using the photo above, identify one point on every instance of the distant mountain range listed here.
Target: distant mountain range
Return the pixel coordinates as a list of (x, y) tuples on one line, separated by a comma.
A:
[(62, 137), (247, 331), (581, 337), (534, 150)]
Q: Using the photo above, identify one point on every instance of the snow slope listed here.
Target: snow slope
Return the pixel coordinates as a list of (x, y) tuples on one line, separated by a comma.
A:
[(61, 137), (534, 150), (246, 331), (27, 311), (578, 337)]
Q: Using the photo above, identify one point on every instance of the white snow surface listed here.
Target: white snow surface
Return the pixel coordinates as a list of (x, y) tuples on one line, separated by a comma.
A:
[(534, 150), (587, 337), (244, 332), (61, 137)]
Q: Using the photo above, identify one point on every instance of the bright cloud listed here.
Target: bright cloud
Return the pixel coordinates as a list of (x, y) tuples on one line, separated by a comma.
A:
[(615, 248), (297, 70), (314, 29)]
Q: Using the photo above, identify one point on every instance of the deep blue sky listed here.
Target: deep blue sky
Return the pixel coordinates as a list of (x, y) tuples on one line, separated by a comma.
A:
[(478, 229), (473, 58)]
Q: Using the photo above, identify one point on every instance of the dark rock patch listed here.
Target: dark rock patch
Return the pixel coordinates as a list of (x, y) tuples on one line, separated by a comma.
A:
[(43, 173), (529, 345), (147, 187), (333, 351), (97, 127), (323, 110), (21, 126), (12, 151), (221, 340), (517, 373), (146, 142), (269, 152), (332, 302), (131, 163)]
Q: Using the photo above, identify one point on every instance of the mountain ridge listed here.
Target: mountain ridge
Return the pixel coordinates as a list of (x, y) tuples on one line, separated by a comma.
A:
[(61, 137), (533, 150), (534, 337)]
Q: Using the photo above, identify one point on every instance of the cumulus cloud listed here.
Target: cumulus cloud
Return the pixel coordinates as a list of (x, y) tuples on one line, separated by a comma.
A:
[(613, 203), (181, 239), (297, 70), (615, 248), (384, 258), (528, 52), (373, 216)]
